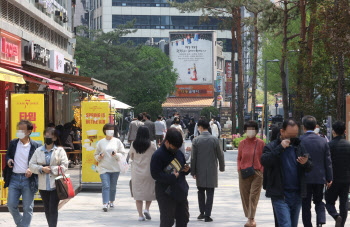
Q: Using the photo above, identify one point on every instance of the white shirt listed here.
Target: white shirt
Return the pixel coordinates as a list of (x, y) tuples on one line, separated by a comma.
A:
[(21, 157), (160, 128)]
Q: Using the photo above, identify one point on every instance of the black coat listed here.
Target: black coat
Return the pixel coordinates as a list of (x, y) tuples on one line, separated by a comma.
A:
[(340, 154), (318, 149), (273, 174), (178, 186), (10, 154)]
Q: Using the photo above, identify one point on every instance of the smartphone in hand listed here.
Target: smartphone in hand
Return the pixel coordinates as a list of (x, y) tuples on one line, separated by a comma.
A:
[(113, 152)]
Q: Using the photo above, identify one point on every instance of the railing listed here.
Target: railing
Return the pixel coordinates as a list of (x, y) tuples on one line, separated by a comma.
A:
[(4, 191)]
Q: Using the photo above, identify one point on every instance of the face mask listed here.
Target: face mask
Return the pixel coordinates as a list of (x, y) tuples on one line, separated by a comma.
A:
[(48, 141), (177, 122), (251, 133), (295, 141), (110, 132), (173, 151), (317, 130), (20, 134)]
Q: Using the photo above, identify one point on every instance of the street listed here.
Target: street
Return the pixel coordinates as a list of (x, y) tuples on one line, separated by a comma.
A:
[(86, 208)]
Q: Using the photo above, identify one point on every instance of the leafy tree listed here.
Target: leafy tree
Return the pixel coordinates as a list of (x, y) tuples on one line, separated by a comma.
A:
[(153, 108), (209, 111), (135, 74)]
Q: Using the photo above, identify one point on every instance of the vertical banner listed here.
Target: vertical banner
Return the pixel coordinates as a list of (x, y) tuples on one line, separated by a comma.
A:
[(347, 117), (226, 123), (28, 107), (94, 115)]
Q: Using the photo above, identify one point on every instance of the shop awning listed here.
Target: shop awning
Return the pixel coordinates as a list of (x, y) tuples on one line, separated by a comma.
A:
[(81, 87), (53, 84), (188, 102), (117, 104), (9, 76)]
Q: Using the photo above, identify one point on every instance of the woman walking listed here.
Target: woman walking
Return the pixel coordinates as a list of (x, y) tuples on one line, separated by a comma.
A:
[(143, 185), (46, 162), (249, 155), (108, 152)]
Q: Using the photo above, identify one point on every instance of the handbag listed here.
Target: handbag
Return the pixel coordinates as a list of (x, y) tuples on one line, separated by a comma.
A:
[(123, 165), (64, 186), (250, 171)]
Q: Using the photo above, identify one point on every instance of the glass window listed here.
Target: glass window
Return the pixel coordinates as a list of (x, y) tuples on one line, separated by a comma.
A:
[(100, 22)]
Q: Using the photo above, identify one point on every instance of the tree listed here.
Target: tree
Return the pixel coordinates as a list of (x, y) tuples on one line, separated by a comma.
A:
[(209, 112), (153, 108), (135, 74)]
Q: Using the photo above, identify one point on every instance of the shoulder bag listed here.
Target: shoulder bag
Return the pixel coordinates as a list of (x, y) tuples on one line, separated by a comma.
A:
[(64, 186), (250, 171)]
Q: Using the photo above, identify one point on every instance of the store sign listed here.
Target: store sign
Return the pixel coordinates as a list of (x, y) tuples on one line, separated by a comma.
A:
[(228, 67), (28, 107), (218, 82), (194, 91), (10, 49), (228, 88), (94, 116), (36, 53), (56, 61)]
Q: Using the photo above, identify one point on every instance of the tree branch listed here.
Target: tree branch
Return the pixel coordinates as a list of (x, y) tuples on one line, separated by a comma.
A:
[(293, 36)]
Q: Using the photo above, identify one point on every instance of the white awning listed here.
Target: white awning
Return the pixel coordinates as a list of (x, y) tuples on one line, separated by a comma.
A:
[(117, 104)]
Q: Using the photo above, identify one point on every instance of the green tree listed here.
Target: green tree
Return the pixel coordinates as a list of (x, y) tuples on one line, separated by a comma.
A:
[(135, 74), (209, 112), (152, 108)]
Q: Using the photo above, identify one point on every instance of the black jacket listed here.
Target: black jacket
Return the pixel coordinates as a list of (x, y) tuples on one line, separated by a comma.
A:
[(340, 154), (318, 149), (10, 154), (178, 186), (273, 174)]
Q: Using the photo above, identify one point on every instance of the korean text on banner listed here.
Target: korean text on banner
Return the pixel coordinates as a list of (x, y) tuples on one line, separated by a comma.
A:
[(94, 116), (28, 107)]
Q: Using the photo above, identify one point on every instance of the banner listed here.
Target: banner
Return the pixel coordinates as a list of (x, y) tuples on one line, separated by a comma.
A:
[(226, 123), (194, 91), (28, 107), (94, 115)]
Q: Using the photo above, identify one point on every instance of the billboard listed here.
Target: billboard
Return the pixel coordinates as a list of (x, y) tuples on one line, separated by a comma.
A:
[(192, 55), (194, 91)]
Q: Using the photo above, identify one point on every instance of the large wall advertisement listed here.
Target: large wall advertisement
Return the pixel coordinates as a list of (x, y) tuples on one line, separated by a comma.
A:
[(192, 54)]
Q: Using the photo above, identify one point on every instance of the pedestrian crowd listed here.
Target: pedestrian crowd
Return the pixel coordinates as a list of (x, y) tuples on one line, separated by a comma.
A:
[(293, 169)]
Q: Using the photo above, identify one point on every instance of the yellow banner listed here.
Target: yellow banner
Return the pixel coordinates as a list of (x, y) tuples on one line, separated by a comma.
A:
[(94, 115), (29, 107)]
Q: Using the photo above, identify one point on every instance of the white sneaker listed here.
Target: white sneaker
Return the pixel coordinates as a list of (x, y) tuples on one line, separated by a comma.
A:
[(111, 205), (147, 215), (142, 219), (105, 207)]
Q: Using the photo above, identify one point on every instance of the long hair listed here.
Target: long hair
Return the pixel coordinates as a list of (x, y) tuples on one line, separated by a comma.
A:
[(142, 141)]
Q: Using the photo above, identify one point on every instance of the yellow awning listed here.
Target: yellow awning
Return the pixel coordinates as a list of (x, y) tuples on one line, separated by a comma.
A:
[(9, 76)]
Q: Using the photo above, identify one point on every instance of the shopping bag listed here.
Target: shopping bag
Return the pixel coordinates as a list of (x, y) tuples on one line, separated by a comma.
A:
[(64, 186), (123, 164)]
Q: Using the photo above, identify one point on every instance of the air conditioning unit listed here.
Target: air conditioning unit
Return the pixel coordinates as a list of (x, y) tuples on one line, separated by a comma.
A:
[(65, 18), (58, 13)]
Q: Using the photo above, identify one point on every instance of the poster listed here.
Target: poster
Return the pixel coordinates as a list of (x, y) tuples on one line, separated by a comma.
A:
[(29, 107), (192, 55), (194, 91), (226, 123), (218, 82), (94, 115)]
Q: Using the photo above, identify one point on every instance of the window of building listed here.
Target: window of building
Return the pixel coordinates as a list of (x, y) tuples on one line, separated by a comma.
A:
[(97, 5), (100, 22), (144, 3)]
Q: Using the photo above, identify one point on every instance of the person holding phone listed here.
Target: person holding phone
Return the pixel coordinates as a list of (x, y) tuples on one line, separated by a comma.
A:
[(285, 162), (108, 152), (45, 162)]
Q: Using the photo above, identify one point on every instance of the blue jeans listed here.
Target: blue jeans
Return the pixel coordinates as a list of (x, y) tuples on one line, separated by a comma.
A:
[(288, 209), (20, 185), (109, 186)]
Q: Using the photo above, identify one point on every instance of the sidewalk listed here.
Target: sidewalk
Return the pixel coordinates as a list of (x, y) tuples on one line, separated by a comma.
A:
[(86, 208)]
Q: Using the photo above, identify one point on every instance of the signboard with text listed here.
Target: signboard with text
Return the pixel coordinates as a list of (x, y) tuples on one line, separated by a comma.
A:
[(10, 49), (56, 61), (28, 107), (94, 115), (192, 55), (194, 91)]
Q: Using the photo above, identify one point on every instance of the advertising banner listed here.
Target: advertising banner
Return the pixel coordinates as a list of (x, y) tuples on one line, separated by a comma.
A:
[(218, 82), (94, 115), (194, 91), (192, 55), (226, 123), (228, 67), (28, 107)]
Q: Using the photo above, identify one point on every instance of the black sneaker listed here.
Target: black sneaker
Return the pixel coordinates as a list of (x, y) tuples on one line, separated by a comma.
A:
[(208, 219), (338, 221), (201, 217)]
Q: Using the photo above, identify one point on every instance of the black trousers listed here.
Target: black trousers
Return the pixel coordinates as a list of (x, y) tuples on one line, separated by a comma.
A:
[(171, 210), (315, 193), (51, 201), (338, 190), (205, 204)]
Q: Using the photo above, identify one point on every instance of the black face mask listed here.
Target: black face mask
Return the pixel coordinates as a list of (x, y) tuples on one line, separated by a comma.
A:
[(295, 141), (172, 151), (48, 141)]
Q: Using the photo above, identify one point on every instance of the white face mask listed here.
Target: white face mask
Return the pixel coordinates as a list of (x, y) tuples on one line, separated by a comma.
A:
[(109, 132), (317, 130), (251, 133), (20, 134)]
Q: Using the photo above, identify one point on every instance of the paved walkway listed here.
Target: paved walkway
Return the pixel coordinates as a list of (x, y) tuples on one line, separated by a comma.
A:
[(85, 208)]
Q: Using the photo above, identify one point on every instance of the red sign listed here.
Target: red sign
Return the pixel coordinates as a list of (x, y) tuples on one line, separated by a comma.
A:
[(229, 88), (10, 49), (194, 91), (228, 71)]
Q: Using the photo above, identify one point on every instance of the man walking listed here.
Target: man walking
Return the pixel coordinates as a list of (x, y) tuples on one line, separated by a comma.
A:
[(151, 127), (340, 154), (205, 155), (169, 170), (317, 147), (285, 164), (134, 126), (169, 122), (18, 178), (160, 129)]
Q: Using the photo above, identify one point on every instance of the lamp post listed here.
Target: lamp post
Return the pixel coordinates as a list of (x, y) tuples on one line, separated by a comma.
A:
[(266, 106)]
